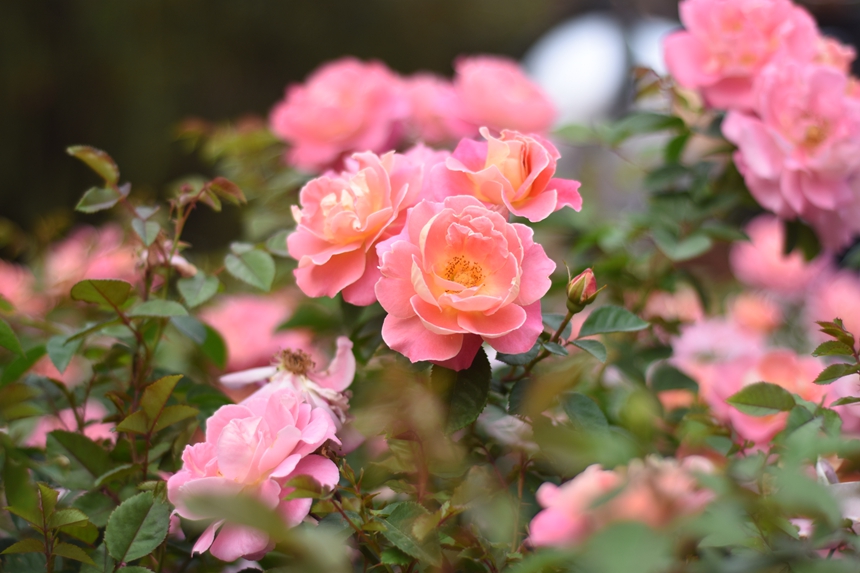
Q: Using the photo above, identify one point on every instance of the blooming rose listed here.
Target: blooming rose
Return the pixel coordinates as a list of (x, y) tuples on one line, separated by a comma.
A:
[(435, 113), (762, 263), (89, 253), (93, 413), (295, 369), (800, 155), (343, 216), (654, 492), (833, 53), (495, 92), (511, 173), (727, 43), (17, 285), (755, 312), (345, 106), (248, 325), (253, 448), (459, 273)]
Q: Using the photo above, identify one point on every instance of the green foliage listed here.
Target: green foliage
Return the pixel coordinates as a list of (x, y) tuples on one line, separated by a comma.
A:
[(137, 527), (466, 391), (609, 319), (762, 399), (250, 265)]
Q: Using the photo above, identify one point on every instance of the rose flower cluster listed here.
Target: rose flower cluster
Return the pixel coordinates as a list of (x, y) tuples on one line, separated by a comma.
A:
[(793, 108)]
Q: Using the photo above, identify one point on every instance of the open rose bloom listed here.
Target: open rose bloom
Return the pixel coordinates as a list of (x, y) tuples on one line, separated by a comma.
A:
[(458, 275)]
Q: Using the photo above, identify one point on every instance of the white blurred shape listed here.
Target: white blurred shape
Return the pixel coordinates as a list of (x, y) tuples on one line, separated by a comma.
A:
[(646, 42), (582, 65)]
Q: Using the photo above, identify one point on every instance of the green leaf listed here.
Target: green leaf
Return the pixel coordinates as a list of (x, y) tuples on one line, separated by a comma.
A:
[(762, 399), (31, 516), (214, 348), (845, 401), (665, 176), (628, 547), (155, 395), (393, 556), (190, 327), (519, 359), (466, 390), (676, 249), (314, 315), (66, 517), (97, 199), (227, 190), (174, 414), (20, 365), (48, 498), (137, 527), (206, 399), (277, 244), (105, 292), (70, 551), (98, 161), (104, 563), (97, 506), (146, 230), (25, 546), (583, 411), (555, 348), (611, 318), (398, 530), (642, 122), (134, 423), (253, 267), (833, 348), (134, 569), (116, 473), (593, 347), (553, 322), (798, 235), (80, 450), (304, 486), (197, 289), (158, 309), (60, 351), (86, 532), (666, 377), (8, 340), (17, 486), (835, 372)]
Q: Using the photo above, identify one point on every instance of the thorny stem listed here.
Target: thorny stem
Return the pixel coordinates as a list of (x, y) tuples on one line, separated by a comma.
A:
[(544, 353)]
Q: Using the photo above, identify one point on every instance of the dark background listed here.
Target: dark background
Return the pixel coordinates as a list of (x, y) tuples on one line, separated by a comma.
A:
[(121, 74)]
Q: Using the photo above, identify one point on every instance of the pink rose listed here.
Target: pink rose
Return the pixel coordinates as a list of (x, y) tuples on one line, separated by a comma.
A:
[(435, 113), (512, 173), (342, 218), (89, 253), (833, 53), (345, 106), (77, 371), (800, 156), (253, 448), (18, 286), (782, 367), (727, 43), (761, 262), (495, 92), (93, 413), (755, 312), (683, 305), (837, 295), (458, 274), (248, 325)]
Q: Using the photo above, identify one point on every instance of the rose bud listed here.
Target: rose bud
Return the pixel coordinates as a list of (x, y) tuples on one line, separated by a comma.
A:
[(581, 291)]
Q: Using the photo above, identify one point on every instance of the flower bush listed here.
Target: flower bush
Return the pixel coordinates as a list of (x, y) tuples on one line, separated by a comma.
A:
[(402, 377)]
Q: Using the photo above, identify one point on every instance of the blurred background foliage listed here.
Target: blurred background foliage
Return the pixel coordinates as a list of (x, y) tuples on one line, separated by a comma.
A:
[(122, 76)]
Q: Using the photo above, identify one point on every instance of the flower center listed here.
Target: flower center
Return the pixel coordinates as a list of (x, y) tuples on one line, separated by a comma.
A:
[(295, 361), (814, 135), (463, 271)]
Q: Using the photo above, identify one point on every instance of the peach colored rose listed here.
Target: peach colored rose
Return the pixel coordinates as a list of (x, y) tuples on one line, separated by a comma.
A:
[(761, 262), (248, 324), (18, 286), (345, 106), (435, 114), (458, 274), (495, 92), (800, 153), (512, 173), (89, 253), (683, 305), (65, 420), (755, 312), (342, 218), (833, 53), (253, 448), (727, 43)]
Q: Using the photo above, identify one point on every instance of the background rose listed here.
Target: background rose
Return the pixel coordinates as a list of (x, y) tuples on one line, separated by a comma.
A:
[(18, 286), (343, 216), (513, 173), (496, 93), (345, 106), (457, 274), (435, 110)]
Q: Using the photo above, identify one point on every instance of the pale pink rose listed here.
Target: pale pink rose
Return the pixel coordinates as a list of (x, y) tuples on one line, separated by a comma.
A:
[(512, 173), (426, 157), (342, 218), (254, 448), (727, 43), (833, 53), (755, 312), (782, 367), (435, 113), (459, 274), (77, 372), (761, 262), (65, 420), (90, 253), (683, 305), (495, 92), (296, 369), (18, 286), (655, 492), (345, 106), (800, 155), (837, 295), (248, 324)]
